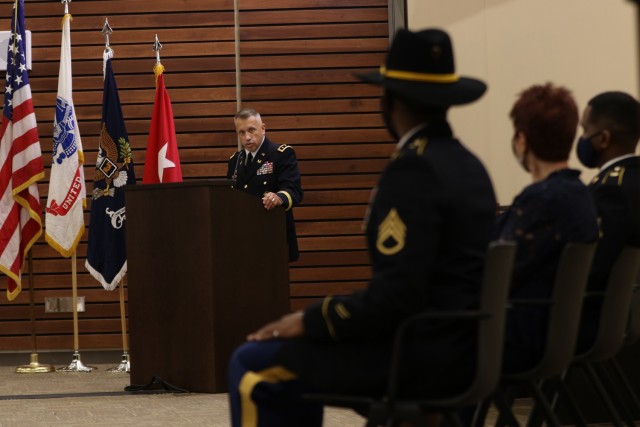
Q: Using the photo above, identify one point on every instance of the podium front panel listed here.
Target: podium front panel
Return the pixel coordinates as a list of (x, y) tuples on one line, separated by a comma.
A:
[(207, 265)]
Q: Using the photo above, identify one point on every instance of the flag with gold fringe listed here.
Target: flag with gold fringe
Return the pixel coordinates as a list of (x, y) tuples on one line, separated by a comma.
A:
[(162, 162), (106, 251), (21, 164), (64, 219)]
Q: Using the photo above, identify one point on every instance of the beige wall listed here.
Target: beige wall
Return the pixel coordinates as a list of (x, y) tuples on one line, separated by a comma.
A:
[(587, 45)]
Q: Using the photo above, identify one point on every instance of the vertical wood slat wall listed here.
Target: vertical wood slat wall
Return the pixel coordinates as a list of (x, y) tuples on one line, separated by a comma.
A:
[(297, 63)]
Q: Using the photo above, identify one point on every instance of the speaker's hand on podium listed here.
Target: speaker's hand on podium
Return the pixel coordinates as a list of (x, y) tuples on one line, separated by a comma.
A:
[(271, 200), (289, 326)]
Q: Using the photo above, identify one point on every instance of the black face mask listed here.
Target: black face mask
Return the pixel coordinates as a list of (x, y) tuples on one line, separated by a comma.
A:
[(385, 105), (588, 155)]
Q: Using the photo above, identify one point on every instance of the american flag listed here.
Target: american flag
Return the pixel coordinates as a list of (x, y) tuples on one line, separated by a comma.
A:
[(21, 164)]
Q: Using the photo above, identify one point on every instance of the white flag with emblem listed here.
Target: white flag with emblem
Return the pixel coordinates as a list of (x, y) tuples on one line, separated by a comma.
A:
[(64, 220)]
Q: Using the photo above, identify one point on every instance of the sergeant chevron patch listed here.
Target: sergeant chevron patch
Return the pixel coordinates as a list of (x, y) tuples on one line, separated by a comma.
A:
[(391, 234)]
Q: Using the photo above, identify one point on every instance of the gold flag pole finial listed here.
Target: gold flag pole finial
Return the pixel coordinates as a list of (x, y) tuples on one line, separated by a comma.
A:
[(158, 68)]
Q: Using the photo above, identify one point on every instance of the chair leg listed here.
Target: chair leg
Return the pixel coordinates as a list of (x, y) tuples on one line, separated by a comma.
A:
[(566, 397), (505, 415), (378, 415), (540, 400), (614, 393), (481, 413), (631, 394), (602, 394)]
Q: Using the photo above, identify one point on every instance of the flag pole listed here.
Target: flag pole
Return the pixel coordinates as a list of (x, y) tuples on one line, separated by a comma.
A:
[(33, 367), (125, 364), (158, 68), (76, 364)]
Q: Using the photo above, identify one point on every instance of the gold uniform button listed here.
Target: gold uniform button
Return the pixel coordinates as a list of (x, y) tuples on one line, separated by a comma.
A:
[(264, 183), (245, 186)]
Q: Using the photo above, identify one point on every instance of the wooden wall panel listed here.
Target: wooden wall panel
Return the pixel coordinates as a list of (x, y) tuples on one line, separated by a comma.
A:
[(297, 66)]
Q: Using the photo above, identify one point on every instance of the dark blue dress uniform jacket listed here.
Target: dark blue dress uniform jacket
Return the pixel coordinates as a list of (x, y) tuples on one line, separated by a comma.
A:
[(274, 169), (616, 193), (428, 230), (542, 219)]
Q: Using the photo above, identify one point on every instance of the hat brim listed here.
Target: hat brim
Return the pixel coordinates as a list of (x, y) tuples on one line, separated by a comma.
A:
[(463, 91)]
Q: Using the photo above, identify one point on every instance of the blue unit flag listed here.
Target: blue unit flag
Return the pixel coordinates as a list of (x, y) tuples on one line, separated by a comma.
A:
[(106, 252)]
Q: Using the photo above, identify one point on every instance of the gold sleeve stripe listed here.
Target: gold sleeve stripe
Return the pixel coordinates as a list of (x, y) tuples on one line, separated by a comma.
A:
[(249, 381), (342, 311), (288, 196), (327, 318)]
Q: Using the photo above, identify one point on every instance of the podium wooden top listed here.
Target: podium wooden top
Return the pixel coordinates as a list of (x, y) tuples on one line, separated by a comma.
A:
[(222, 182)]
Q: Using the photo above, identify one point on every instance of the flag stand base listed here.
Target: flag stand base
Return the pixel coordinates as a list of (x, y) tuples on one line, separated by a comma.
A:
[(76, 365), (34, 367), (124, 366)]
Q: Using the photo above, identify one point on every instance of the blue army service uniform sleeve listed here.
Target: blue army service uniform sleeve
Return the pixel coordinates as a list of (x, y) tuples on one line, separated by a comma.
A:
[(232, 165), (288, 185)]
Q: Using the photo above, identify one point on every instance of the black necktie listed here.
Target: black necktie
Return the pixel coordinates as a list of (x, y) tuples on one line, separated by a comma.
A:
[(249, 159)]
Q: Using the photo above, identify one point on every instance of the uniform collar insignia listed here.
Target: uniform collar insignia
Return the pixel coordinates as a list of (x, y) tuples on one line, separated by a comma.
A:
[(419, 145)]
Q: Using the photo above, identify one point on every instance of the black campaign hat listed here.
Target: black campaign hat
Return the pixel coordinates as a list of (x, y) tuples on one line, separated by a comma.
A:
[(420, 69)]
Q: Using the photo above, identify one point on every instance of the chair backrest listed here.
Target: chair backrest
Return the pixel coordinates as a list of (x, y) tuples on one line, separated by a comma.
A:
[(564, 314), (615, 311), (633, 327), (493, 302)]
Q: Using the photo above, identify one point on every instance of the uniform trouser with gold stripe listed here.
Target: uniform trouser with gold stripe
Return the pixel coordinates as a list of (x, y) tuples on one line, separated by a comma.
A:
[(263, 393)]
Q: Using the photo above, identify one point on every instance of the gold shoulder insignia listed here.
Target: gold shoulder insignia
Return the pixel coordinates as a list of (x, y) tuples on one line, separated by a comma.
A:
[(419, 145), (617, 173), (283, 147), (233, 155), (391, 234)]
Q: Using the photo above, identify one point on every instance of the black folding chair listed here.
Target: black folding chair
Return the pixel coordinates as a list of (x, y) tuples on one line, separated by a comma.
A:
[(392, 409), (564, 310), (612, 329)]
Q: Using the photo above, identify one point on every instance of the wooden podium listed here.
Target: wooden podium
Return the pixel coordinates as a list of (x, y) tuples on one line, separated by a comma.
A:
[(207, 264)]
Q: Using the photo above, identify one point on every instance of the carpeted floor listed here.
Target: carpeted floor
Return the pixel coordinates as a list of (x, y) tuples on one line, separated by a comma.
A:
[(98, 398)]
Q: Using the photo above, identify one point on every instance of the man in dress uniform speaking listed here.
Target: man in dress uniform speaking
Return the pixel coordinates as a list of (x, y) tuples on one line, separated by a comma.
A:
[(266, 170)]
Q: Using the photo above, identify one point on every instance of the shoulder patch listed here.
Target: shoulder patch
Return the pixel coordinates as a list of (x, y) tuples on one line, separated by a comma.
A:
[(283, 147), (392, 233)]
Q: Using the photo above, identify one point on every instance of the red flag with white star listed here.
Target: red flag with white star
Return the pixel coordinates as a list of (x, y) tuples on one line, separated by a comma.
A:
[(163, 162)]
